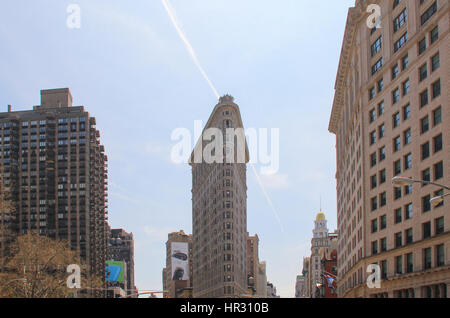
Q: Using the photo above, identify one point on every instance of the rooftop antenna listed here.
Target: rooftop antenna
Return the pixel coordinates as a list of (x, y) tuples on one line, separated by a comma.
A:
[(320, 203)]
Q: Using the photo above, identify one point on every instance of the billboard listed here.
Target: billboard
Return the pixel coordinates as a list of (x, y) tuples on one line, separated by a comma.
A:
[(180, 261), (114, 271)]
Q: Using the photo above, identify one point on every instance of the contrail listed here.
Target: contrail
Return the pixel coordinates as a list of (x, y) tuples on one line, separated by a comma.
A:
[(172, 16), (267, 197)]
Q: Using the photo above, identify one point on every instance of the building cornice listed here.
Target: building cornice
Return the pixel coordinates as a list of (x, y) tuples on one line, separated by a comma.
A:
[(344, 60)]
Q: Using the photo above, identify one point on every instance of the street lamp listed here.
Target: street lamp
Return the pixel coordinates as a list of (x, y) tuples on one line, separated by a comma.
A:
[(438, 200), (402, 181)]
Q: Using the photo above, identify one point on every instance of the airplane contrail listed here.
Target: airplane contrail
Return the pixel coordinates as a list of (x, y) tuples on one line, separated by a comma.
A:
[(190, 49), (269, 201), (171, 12)]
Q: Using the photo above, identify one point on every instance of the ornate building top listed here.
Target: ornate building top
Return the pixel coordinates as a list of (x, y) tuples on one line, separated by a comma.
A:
[(226, 98)]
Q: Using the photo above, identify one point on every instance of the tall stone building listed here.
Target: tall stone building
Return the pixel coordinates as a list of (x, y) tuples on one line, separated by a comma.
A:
[(121, 248), (391, 118), (219, 206), (300, 288), (321, 240), (256, 270), (252, 262), (56, 168), (306, 272), (173, 284)]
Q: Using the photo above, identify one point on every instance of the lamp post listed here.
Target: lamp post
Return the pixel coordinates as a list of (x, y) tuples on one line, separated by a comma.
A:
[(402, 181)]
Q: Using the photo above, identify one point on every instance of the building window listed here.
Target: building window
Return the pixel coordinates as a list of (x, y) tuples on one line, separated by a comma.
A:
[(383, 243), (400, 20), (424, 125), (439, 225), (427, 258), (396, 120), (435, 62), (426, 230), (407, 112), (408, 161), (423, 72), (382, 176), (377, 66), (381, 131), (377, 45), (383, 222), (398, 240), (373, 182), (439, 170), (437, 116), (408, 211), (372, 115), (399, 265), (425, 150), (374, 204), (374, 247), (409, 236), (405, 61), (373, 159), (374, 226), (400, 42), (437, 141), (426, 175), (395, 96), (398, 216), (440, 255), (380, 85), (380, 108), (397, 167), (426, 205), (383, 199), (384, 269), (424, 98), (395, 71), (397, 144), (436, 88), (371, 93), (434, 35), (429, 13), (406, 87), (407, 136), (422, 45), (373, 137), (409, 263), (408, 189)]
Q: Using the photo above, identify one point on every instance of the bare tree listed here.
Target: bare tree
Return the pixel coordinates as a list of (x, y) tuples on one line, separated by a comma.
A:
[(37, 269)]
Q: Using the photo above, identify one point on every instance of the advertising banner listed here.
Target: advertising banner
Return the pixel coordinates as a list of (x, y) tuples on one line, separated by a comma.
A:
[(180, 262), (114, 271)]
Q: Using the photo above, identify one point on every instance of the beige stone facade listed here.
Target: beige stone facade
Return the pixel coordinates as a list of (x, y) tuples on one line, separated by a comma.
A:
[(391, 118), (219, 215)]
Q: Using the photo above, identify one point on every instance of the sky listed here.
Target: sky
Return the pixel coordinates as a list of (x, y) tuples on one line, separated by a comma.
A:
[(131, 70)]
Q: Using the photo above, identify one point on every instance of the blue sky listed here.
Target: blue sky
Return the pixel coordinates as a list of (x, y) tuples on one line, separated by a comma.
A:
[(130, 69)]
